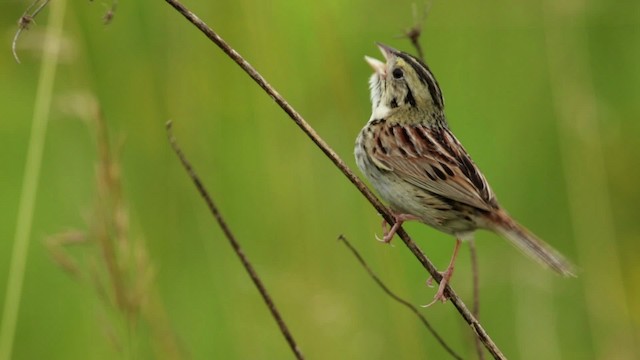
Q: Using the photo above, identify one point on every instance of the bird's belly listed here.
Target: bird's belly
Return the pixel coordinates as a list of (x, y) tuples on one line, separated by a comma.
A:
[(405, 198)]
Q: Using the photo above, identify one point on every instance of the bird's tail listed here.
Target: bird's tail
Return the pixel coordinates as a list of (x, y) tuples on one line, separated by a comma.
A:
[(528, 243)]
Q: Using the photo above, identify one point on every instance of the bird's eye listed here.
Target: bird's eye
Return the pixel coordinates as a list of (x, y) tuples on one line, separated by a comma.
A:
[(397, 73)]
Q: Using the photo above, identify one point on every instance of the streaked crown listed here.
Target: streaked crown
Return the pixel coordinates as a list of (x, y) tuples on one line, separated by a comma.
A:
[(403, 83)]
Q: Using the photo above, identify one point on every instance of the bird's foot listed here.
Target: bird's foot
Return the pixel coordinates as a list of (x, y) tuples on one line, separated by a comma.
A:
[(440, 294), (389, 233)]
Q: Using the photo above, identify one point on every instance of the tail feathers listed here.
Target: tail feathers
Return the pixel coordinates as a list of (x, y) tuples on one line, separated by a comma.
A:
[(537, 249)]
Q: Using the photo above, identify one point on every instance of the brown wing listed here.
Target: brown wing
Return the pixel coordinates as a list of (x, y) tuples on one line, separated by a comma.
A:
[(433, 159)]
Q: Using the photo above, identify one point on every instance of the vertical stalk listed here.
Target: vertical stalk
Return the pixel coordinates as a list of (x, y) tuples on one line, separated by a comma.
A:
[(31, 175)]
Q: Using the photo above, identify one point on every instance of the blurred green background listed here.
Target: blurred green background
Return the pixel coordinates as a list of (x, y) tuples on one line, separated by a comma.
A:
[(543, 95)]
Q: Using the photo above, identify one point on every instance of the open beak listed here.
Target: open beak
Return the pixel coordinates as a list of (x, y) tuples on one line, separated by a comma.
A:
[(378, 66), (387, 51)]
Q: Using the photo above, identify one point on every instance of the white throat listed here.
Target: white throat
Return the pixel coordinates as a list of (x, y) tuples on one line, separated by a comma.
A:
[(378, 109), (380, 112)]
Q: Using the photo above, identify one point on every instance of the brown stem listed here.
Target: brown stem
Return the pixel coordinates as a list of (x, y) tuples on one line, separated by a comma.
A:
[(476, 292), (234, 244), (414, 32), (398, 298), (311, 133)]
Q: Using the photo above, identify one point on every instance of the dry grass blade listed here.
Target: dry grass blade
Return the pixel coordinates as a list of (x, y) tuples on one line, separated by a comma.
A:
[(56, 246), (234, 244), (114, 263), (473, 253), (398, 298)]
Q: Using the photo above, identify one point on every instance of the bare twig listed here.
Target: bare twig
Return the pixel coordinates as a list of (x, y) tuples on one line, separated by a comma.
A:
[(234, 244), (476, 291), (338, 162), (23, 23), (398, 298), (414, 32)]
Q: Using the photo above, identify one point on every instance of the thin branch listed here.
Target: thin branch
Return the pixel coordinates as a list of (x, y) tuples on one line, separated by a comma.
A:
[(234, 244), (414, 32), (23, 23), (476, 291), (338, 162), (398, 298)]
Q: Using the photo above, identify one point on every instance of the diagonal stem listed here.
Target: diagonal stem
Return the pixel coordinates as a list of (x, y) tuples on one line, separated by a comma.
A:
[(340, 164), (476, 291), (234, 244), (398, 298)]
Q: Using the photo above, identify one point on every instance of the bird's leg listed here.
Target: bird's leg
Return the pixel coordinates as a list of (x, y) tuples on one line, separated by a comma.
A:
[(446, 276), (399, 219)]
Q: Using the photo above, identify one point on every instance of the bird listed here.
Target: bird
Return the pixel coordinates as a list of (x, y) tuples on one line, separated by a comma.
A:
[(420, 169)]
